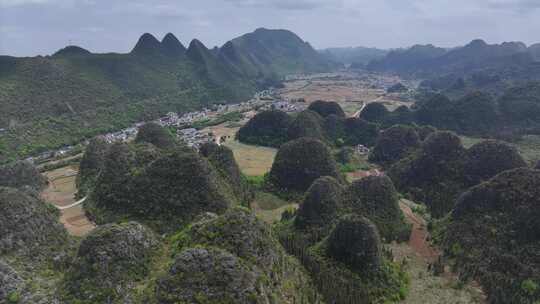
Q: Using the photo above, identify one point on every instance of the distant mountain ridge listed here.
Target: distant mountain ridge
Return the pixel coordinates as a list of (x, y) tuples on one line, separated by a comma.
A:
[(429, 59), (47, 102), (492, 68), (354, 56)]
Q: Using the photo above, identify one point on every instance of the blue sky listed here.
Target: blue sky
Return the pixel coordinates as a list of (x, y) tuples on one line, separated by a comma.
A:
[(32, 27)]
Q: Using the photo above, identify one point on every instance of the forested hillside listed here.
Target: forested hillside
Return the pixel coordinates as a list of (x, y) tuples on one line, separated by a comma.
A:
[(47, 102)]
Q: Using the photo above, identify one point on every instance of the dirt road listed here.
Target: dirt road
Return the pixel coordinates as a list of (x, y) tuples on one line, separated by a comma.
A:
[(425, 287)]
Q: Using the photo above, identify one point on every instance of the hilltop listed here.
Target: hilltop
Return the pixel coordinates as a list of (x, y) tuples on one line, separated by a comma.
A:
[(47, 102)]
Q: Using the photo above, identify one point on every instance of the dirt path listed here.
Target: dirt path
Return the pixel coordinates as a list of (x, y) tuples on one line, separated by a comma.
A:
[(425, 287), (61, 193)]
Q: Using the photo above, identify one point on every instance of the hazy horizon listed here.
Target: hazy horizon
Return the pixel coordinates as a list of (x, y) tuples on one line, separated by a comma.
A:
[(41, 27)]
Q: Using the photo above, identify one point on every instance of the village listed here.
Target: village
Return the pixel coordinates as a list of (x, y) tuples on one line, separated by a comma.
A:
[(298, 92)]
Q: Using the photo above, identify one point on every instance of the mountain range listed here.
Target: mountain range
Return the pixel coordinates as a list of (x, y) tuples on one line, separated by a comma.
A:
[(492, 68), (50, 101)]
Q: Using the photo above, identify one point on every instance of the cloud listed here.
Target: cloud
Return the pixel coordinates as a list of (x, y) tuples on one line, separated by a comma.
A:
[(13, 3), (283, 4), (520, 6)]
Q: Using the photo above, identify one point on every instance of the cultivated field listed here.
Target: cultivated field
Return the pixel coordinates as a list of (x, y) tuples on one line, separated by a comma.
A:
[(253, 160), (350, 93), (61, 192)]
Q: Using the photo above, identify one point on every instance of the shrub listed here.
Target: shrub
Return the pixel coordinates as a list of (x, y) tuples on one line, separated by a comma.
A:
[(28, 227), (22, 174), (320, 205), (91, 164), (355, 241), (300, 162), (360, 132), (374, 112), (109, 260), (496, 225), (434, 174), (489, 158), (268, 128), (157, 135), (307, 124), (376, 198), (326, 108), (393, 144)]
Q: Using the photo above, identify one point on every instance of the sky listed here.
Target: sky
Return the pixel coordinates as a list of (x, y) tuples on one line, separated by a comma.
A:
[(41, 27)]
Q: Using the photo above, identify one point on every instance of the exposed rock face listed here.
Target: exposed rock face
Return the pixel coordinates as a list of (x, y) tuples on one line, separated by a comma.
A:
[(10, 282), (489, 158), (157, 135), (268, 128), (494, 234), (376, 198), (208, 275), (108, 261), (27, 226), (326, 108), (91, 164), (321, 204), (22, 174), (355, 241), (394, 143), (300, 162)]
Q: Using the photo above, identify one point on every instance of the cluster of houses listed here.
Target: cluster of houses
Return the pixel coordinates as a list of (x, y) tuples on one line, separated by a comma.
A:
[(286, 106), (122, 135), (195, 138)]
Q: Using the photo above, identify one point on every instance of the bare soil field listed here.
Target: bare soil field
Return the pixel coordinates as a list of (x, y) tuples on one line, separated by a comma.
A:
[(351, 94), (253, 160), (61, 192)]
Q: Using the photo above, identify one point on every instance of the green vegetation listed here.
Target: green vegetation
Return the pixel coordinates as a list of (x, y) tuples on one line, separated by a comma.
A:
[(307, 124), (507, 117), (324, 121), (267, 128), (237, 260), (91, 165), (22, 174), (109, 260), (163, 189), (326, 108), (376, 198), (442, 168), (488, 217), (50, 102), (29, 228), (394, 144), (300, 162), (220, 119), (156, 135)]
